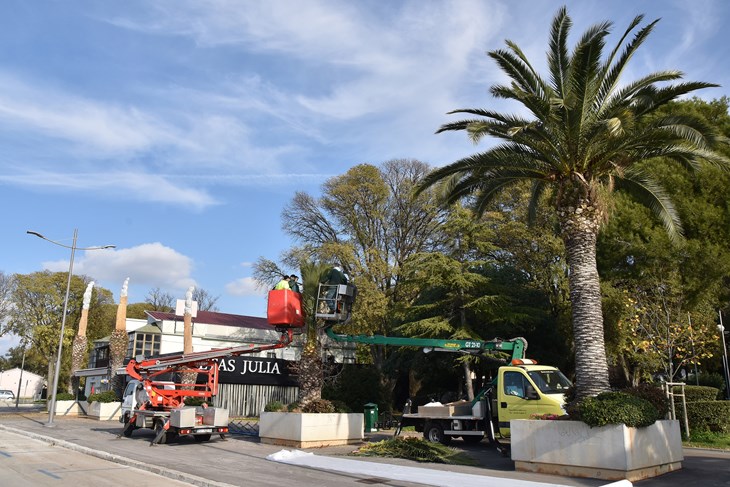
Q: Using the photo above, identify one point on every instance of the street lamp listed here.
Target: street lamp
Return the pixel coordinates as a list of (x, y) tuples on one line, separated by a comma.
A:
[(725, 369), (52, 407)]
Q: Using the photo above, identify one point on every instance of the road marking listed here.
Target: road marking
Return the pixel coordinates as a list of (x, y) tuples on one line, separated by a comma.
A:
[(52, 475)]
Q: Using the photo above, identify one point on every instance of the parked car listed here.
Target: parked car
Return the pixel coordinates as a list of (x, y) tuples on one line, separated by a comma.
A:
[(7, 395)]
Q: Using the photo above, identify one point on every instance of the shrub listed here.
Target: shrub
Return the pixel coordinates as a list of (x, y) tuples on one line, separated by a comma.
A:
[(318, 406), (106, 396), (711, 379), (293, 407), (341, 407), (699, 393), (65, 396), (274, 407), (713, 416), (617, 408), (655, 395)]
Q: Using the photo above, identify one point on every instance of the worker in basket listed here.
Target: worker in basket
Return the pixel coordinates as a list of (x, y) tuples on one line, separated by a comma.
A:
[(331, 279), (282, 284)]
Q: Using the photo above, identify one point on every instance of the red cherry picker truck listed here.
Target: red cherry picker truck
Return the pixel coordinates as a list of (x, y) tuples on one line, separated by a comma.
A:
[(152, 400)]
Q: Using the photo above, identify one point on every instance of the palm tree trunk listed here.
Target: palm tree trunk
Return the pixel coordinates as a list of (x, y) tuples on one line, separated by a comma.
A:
[(591, 366)]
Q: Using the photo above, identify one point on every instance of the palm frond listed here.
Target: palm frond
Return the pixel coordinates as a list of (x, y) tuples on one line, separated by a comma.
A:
[(584, 83), (652, 98), (612, 71), (700, 133), (537, 189), (653, 196), (558, 58)]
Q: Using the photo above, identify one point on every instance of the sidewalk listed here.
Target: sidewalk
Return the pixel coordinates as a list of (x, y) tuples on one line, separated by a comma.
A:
[(240, 460)]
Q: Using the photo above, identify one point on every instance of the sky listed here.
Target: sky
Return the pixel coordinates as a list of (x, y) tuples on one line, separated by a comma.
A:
[(178, 130)]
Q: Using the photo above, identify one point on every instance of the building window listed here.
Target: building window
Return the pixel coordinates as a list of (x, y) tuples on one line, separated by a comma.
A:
[(146, 344), (100, 357)]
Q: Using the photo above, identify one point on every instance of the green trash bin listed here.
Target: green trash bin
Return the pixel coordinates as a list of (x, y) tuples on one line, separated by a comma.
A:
[(371, 417)]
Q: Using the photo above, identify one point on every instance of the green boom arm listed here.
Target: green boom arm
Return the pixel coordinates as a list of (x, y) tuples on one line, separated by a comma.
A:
[(514, 346)]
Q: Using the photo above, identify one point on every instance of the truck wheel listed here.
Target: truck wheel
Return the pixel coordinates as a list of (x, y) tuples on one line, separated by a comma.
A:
[(472, 439), (201, 438), (434, 432), (159, 426), (128, 428)]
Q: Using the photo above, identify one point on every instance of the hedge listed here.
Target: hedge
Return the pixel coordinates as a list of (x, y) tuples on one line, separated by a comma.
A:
[(698, 393), (617, 408), (711, 416)]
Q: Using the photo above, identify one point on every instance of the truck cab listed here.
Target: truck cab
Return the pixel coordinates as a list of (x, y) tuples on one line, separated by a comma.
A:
[(525, 389)]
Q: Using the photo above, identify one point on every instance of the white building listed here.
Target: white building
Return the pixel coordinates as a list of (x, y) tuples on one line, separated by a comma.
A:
[(30, 384)]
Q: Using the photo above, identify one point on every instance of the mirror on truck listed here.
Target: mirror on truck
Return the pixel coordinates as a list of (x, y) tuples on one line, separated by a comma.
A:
[(531, 393)]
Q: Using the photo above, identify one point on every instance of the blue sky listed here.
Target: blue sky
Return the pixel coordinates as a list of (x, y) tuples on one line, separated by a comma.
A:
[(177, 130)]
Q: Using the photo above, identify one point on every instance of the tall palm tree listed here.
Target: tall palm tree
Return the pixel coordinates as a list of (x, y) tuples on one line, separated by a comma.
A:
[(584, 138)]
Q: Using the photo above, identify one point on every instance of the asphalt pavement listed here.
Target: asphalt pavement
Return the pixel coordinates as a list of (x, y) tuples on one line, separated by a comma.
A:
[(241, 460)]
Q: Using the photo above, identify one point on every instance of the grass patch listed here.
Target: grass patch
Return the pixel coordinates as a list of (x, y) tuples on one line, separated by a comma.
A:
[(415, 449), (706, 439)]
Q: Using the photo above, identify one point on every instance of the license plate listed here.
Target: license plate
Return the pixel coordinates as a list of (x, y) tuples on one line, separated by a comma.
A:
[(204, 430)]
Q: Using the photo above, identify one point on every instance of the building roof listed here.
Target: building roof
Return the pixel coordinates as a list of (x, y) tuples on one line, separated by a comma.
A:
[(215, 318), (25, 372)]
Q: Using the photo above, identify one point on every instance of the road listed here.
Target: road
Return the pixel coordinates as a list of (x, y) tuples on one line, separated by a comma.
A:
[(242, 460)]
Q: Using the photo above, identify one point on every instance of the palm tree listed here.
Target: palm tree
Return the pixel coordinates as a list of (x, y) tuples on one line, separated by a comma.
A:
[(311, 367), (584, 138)]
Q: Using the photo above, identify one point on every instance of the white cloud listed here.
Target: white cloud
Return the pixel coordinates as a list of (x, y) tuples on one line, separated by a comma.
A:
[(147, 266), (121, 185), (367, 60), (26, 105), (245, 286)]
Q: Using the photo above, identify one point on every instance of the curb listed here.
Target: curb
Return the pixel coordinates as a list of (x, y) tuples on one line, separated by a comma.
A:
[(165, 472)]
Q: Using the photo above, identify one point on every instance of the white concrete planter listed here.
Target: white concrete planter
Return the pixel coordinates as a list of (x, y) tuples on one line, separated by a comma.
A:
[(308, 430), (71, 408), (105, 411), (613, 452)]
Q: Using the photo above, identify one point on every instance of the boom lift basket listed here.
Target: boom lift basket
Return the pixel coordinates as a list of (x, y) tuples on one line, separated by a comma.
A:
[(334, 302), (285, 309)]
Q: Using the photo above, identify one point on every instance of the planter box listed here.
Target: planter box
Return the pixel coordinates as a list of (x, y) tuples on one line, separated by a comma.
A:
[(613, 452), (105, 411), (71, 408), (310, 430)]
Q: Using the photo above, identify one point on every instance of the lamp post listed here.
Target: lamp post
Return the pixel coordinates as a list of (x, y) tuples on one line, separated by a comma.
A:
[(20, 380), (56, 372), (725, 370)]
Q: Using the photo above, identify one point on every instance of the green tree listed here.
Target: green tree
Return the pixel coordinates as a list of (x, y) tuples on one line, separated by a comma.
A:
[(637, 259), (37, 314), (6, 292), (367, 221), (449, 287), (584, 138)]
